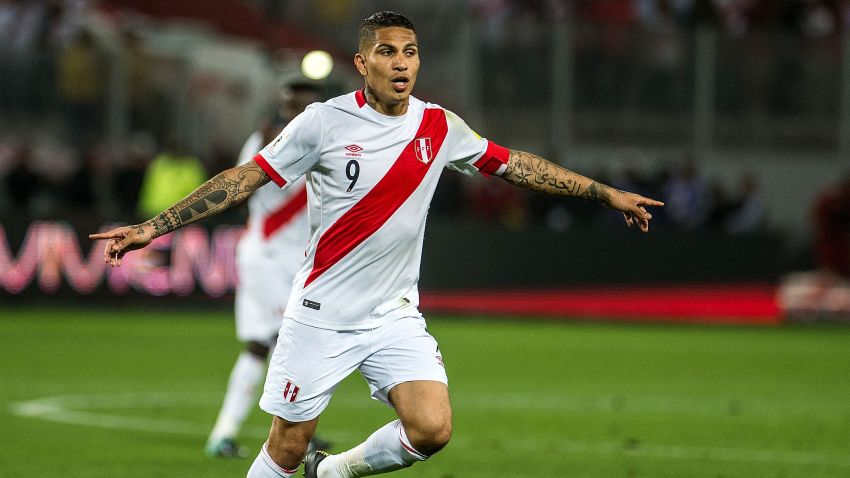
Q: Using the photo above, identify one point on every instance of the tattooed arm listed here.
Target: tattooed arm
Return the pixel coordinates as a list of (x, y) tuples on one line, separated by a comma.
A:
[(533, 172), (226, 189)]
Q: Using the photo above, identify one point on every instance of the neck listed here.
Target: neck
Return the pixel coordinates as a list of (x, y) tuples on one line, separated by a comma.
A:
[(389, 108)]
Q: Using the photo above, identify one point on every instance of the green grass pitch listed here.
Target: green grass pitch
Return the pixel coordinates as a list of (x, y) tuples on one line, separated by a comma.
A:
[(133, 393)]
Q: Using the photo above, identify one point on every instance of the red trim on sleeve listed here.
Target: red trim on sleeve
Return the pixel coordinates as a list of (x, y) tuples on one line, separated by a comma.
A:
[(259, 159), (360, 97), (492, 159)]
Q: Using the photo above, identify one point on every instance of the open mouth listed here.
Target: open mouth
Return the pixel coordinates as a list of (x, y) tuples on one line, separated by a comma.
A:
[(400, 83)]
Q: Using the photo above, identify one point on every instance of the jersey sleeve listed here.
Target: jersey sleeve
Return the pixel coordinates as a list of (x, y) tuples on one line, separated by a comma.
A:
[(471, 153), (295, 150)]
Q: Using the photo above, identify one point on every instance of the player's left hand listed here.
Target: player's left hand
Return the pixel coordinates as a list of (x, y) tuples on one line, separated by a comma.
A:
[(633, 206)]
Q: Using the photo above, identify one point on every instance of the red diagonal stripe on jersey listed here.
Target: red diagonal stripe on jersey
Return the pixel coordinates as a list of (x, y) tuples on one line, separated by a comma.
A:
[(376, 207), (281, 217)]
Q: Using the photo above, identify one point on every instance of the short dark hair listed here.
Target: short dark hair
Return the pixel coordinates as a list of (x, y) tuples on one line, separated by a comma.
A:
[(376, 21)]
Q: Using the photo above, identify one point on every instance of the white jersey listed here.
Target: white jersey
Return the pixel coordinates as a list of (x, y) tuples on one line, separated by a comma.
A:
[(370, 180), (269, 253), (277, 218)]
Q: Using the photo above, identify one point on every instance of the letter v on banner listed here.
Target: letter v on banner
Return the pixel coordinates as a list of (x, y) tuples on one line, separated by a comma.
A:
[(383, 200)]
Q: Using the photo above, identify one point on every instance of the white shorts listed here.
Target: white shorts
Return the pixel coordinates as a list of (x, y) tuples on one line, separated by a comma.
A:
[(308, 364), (264, 287)]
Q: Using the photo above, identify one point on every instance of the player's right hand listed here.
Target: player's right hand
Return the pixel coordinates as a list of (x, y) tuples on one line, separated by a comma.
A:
[(122, 240)]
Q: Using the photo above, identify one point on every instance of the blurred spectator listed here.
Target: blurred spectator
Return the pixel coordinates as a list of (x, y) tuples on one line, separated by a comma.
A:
[(745, 213), (687, 197), (171, 176), (735, 15), (55, 163), (129, 173), (843, 12), (335, 12), (28, 34), (80, 191), (22, 183), (81, 82), (145, 102), (43, 84), (495, 17), (37, 174), (660, 83), (832, 229), (603, 52), (816, 18), (818, 24), (85, 184), (721, 205)]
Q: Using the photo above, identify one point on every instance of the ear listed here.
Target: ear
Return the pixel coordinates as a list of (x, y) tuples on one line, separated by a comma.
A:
[(360, 63)]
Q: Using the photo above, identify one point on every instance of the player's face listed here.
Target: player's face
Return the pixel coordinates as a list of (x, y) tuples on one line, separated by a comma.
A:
[(390, 65)]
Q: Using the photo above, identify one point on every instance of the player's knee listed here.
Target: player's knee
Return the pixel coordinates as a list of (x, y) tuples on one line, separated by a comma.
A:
[(287, 453), (430, 436), (288, 441)]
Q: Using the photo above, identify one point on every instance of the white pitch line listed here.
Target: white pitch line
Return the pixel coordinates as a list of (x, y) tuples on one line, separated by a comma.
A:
[(76, 409), (531, 402)]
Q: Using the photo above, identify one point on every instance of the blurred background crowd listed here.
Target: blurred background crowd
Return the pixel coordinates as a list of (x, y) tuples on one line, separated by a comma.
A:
[(736, 113)]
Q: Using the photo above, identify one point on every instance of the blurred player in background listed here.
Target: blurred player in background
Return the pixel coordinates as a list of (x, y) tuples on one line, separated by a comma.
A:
[(824, 293), (832, 229), (267, 258), (372, 159)]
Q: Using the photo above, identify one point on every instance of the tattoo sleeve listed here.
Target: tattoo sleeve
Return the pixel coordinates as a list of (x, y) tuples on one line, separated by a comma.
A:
[(226, 189), (533, 172)]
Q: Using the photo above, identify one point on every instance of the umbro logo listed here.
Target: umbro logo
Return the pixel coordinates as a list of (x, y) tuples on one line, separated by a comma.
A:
[(354, 150)]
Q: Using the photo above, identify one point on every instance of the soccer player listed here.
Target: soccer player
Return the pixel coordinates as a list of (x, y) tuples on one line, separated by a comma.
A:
[(372, 160), (267, 257)]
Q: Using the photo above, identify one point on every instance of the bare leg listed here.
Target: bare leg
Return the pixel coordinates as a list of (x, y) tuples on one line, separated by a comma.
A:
[(282, 453), (425, 413), (288, 441)]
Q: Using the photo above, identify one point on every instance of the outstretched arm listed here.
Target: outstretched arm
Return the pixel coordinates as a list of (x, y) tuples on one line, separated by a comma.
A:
[(226, 189), (533, 172)]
